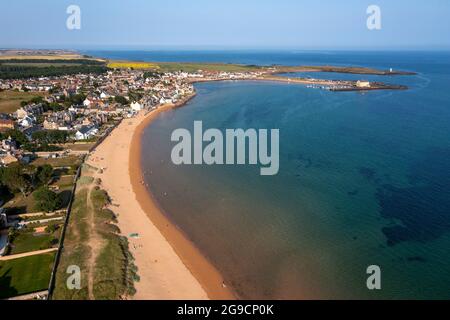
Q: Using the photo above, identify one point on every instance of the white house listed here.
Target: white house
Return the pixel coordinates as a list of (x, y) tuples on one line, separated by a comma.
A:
[(165, 101), (104, 95), (136, 106), (87, 102), (363, 84), (27, 121), (86, 132)]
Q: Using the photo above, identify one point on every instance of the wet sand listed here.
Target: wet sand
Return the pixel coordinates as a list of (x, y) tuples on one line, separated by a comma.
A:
[(169, 265)]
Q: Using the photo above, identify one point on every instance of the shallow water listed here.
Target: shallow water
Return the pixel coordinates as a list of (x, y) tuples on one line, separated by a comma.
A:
[(364, 179)]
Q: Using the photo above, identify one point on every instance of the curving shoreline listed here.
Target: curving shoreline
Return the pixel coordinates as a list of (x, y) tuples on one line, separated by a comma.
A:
[(203, 271), (170, 267)]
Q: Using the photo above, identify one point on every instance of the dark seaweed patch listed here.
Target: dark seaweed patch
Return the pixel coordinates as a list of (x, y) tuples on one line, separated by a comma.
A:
[(423, 210), (367, 173), (416, 259)]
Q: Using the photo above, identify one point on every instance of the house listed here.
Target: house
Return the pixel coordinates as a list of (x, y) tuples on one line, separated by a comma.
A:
[(30, 110), (165, 101), (3, 237), (50, 125), (6, 124), (86, 132), (363, 84), (8, 145), (27, 121), (105, 95), (7, 158), (87, 102), (3, 219), (30, 130), (136, 106)]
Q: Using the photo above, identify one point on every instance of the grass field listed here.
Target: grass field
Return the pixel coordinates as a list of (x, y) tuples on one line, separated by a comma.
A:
[(43, 57), (25, 275), (58, 162), (131, 64), (77, 146), (194, 67), (28, 242), (63, 182), (187, 67), (93, 243), (47, 57), (10, 100), (20, 204)]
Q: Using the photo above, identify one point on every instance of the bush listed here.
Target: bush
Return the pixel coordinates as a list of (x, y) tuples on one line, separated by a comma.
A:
[(51, 228)]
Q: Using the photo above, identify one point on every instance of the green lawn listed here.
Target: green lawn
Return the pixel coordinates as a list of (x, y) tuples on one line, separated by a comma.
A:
[(27, 241), (58, 162), (77, 146), (25, 275), (64, 182), (20, 204)]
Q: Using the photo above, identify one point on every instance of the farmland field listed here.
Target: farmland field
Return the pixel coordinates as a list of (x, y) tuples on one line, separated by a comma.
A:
[(131, 64), (10, 100)]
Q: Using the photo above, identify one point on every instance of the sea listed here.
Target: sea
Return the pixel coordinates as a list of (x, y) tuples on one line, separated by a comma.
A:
[(364, 178)]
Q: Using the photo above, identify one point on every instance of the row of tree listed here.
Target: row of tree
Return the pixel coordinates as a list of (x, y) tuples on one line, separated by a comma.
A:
[(41, 140), (24, 71)]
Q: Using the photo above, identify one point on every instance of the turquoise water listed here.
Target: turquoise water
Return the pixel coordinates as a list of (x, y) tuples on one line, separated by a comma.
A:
[(364, 179)]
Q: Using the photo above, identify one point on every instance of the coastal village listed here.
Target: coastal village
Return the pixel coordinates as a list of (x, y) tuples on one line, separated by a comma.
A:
[(52, 127), (44, 143)]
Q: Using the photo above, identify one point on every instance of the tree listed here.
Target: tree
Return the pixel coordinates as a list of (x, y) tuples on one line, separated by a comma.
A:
[(16, 135), (47, 200), (37, 99), (44, 174), (15, 179), (54, 106), (50, 136), (122, 100)]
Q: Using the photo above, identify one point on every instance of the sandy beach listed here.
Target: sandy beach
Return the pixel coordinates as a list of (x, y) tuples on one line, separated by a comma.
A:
[(169, 265)]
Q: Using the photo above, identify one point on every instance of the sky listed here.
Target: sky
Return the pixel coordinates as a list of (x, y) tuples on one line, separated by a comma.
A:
[(225, 24)]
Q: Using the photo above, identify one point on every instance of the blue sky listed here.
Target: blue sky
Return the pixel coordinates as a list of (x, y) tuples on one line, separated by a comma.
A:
[(234, 24)]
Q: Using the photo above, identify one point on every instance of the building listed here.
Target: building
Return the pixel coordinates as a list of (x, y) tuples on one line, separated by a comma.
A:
[(136, 106), (3, 219), (30, 110), (8, 145), (7, 158), (3, 238), (50, 125), (363, 84), (27, 121), (86, 132)]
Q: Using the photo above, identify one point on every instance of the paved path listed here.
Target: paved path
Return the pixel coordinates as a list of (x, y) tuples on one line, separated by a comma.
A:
[(31, 296), (27, 254)]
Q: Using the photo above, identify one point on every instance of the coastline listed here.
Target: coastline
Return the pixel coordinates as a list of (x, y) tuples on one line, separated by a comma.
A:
[(205, 273), (169, 265)]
